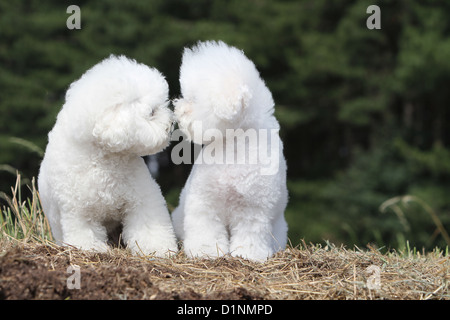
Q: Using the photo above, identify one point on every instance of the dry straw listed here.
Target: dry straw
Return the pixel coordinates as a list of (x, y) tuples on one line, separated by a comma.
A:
[(305, 272), (33, 267)]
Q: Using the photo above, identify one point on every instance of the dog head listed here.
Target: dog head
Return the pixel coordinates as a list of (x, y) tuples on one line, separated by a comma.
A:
[(221, 88), (121, 106)]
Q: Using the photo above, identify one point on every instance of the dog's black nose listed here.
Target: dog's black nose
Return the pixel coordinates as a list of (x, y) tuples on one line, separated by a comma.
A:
[(171, 128)]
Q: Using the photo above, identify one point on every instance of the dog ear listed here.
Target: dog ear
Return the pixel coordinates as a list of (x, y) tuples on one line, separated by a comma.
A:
[(229, 110), (111, 130)]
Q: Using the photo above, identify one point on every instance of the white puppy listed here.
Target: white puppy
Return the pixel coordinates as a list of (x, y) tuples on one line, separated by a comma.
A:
[(233, 201), (92, 178)]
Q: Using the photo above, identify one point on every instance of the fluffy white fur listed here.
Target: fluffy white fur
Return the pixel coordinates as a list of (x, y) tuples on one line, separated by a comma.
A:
[(92, 178), (228, 208)]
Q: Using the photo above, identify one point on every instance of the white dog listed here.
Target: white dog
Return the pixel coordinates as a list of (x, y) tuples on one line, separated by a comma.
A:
[(231, 204), (92, 178)]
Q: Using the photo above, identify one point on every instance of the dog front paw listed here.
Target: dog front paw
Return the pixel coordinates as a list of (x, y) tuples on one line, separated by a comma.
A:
[(95, 246), (253, 253), (160, 249), (202, 250)]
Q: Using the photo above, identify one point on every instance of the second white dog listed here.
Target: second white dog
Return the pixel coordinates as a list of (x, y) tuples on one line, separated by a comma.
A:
[(229, 205), (92, 178)]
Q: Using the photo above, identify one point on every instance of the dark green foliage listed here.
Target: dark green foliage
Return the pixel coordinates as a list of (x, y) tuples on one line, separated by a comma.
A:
[(363, 112)]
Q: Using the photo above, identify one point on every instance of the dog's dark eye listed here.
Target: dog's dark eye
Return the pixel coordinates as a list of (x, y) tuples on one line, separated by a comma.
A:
[(152, 112)]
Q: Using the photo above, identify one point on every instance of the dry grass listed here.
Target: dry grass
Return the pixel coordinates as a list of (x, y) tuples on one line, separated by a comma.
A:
[(32, 267), (38, 271)]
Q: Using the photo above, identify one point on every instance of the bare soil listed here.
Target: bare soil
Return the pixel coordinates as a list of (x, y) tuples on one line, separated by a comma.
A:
[(39, 271)]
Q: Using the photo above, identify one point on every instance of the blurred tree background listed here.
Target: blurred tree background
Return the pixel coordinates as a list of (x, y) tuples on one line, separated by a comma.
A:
[(363, 112)]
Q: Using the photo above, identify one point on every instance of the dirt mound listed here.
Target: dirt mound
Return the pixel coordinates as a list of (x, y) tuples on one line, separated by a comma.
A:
[(46, 271), (41, 272)]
